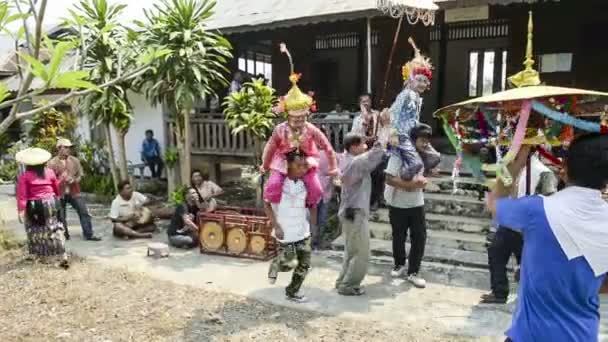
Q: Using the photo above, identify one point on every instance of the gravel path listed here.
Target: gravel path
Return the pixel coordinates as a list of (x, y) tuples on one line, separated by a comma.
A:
[(90, 303)]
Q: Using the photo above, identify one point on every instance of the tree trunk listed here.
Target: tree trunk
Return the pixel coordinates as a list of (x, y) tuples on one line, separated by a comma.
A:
[(185, 150), (122, 155), (179, 141), (111, 156), (257, 161)]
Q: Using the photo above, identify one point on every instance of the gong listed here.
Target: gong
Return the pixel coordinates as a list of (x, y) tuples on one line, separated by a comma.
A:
[(212, 236), (257, 244), (236, 241)]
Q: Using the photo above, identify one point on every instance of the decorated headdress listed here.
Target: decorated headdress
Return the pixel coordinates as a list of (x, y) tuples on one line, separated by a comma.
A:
[(295, 98), (419, 65)]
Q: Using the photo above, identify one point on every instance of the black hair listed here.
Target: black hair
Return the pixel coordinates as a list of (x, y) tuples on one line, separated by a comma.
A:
[(352, 139), (587, 161), (122, 184), (294, 154), (421, 131), (200, 197), (150, 131), (38, 169), (364, 95)]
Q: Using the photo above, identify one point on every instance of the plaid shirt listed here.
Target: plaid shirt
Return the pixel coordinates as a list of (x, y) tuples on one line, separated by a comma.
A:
[(64, 170)]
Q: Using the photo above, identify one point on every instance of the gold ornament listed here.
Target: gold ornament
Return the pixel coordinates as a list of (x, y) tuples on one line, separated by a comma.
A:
[(236, 241), (212, 236), (295, 98), (257, 244), (528, 76)]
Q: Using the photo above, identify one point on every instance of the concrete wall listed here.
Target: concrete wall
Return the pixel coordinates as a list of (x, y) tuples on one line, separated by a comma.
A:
[(145, 117)]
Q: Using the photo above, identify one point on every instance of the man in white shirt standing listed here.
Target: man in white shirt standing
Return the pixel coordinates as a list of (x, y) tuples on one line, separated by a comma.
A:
[(291, 227)]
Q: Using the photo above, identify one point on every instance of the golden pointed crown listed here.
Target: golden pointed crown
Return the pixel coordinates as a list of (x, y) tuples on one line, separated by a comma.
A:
[(295, 98), (418, 65), (528, 76)]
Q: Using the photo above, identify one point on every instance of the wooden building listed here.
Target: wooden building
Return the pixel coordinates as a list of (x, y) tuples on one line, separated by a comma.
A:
[(474, 45)]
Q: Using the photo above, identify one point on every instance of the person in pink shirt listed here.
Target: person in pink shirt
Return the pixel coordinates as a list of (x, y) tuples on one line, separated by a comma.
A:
[(39, 206), (296, 135)]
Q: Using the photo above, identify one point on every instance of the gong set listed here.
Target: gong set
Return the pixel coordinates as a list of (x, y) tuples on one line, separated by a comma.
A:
[(238, 232)]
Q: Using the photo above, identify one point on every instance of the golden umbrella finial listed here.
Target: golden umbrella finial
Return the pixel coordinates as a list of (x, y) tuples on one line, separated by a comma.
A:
[(529, 76)]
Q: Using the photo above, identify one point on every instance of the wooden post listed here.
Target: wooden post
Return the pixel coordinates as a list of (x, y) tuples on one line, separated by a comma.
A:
[(390, 62)]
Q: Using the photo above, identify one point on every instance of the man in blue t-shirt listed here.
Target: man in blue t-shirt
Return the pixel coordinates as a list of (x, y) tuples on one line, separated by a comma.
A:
[(565, 258), (151, 155)]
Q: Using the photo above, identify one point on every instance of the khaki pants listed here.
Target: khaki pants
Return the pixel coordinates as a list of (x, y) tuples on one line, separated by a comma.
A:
[(356, 251)]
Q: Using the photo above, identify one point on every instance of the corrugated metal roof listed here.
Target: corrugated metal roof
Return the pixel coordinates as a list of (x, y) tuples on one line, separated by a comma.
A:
[(248, 15), (471, 3)]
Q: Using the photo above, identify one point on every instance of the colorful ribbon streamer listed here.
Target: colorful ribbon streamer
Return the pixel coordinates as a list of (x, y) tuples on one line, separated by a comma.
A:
[(565, 118), (518, 138)]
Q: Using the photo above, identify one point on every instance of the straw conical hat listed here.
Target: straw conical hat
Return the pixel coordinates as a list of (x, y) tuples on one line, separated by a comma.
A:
[(33, 156)]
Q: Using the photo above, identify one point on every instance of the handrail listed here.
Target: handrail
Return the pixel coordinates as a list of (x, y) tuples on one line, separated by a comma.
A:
[(210, 135)]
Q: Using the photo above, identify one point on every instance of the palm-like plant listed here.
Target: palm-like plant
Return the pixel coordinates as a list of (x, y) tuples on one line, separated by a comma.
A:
[(192, 68), (110, 53), (250, 110)]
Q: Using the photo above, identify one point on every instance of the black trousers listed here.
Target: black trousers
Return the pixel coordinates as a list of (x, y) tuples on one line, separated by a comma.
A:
[(402, 221), (156, 166), (506, 242), (378, 178)]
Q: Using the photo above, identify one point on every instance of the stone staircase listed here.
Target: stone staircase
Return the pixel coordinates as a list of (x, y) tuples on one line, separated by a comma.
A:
[(457, 225)]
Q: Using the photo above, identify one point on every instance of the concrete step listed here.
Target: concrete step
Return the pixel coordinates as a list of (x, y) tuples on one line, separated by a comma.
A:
[(456, 240), (448, 204), (433, 272), (433, 253), (452, 223)]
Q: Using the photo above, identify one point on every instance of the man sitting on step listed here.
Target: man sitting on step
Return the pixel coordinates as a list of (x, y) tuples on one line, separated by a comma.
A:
[(506, 242)]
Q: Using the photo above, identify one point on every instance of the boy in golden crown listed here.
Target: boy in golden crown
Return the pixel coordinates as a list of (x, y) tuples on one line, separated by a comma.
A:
[(405, 116), (296, 134)]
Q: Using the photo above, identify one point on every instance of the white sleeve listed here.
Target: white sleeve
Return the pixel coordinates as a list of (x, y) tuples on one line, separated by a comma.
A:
[(140, 198), (114, 212)]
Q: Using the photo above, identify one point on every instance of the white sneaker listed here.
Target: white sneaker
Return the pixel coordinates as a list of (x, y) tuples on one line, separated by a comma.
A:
[(397, 271), (417, 281)]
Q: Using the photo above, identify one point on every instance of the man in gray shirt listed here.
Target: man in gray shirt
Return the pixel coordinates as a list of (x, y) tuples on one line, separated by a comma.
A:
[(356, 168), (405, 200)]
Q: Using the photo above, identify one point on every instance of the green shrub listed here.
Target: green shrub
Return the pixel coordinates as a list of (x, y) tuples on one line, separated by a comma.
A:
[(178, 196)]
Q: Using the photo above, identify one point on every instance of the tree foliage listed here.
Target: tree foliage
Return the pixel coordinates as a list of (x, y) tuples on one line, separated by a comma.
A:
[(194, 63), (250, 109)]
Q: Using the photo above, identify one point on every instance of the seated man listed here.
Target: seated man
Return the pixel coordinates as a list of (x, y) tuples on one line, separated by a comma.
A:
[(183, 230), (131, 219)]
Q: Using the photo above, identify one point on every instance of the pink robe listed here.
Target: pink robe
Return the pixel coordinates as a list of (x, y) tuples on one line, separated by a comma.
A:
[(273, 159)]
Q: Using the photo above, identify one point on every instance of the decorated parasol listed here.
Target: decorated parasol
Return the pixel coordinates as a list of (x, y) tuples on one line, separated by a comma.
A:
[(414, 11), (529, 114)]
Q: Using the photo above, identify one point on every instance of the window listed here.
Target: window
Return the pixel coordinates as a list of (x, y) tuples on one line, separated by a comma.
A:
[(255, 63), (556, 62), (473, 58), (487, 72)]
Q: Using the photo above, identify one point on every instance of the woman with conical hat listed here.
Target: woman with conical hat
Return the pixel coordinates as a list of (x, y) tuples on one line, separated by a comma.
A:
[(296, 134), (39, 207)]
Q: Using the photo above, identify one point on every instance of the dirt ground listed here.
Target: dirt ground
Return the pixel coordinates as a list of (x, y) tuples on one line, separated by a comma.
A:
[(41, 302)]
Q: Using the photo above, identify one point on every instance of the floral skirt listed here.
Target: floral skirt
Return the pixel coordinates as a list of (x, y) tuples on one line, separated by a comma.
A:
[(44, 228)]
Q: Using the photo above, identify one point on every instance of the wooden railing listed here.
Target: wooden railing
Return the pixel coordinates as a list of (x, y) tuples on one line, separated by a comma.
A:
[(211, 135)]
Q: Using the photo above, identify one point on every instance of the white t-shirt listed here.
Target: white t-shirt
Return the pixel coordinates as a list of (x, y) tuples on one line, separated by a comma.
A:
[(122, 208), (291, 212)]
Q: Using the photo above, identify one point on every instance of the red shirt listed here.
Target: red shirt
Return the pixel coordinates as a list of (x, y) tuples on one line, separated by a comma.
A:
[(32, 187)]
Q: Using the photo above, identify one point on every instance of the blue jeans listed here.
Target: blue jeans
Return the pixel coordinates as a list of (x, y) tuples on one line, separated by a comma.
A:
[(83, 214), (319, 228)]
